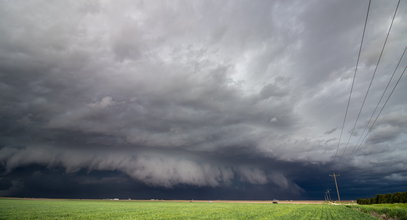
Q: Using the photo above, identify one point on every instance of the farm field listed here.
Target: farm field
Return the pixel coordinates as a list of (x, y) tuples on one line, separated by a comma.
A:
[(392, 211), (106, 209)]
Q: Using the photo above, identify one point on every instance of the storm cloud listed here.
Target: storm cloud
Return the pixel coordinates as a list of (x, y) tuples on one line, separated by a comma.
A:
[(204, 96)]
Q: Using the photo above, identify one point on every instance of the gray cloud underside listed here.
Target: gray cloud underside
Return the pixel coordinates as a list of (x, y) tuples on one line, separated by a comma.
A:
[(184, 92)]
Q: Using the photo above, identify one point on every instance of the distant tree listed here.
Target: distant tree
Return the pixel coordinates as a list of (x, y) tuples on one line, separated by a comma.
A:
[(398, 197), (403, 197)]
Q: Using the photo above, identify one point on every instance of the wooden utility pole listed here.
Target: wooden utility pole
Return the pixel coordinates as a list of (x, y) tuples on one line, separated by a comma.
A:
[(328, 195), (334, 175)]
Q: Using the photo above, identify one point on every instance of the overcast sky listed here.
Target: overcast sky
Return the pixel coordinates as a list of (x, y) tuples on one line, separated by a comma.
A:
[(198, 99)]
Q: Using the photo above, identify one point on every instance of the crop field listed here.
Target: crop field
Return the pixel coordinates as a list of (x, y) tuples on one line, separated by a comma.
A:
[(106, 209), (389, 211)]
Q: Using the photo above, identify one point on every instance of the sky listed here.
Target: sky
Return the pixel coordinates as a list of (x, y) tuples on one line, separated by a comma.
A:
[(199, 99)]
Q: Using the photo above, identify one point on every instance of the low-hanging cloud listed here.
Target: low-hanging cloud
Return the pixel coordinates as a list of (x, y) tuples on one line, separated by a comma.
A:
[(153, 168)]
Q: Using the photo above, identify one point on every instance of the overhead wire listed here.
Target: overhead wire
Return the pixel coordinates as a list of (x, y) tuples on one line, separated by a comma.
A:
[(381, 110), (368, 129), (353, 80), (373, 77), (378, 103)]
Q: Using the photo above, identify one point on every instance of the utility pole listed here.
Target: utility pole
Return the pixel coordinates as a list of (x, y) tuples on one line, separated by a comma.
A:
[(328, 195), (334, 175)]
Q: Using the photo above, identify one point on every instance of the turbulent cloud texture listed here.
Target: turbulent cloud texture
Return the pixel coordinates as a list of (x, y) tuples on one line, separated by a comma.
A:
[(207, 94)]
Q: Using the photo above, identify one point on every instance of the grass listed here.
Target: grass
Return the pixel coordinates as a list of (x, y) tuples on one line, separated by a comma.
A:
[(385, 211), (104, 209)]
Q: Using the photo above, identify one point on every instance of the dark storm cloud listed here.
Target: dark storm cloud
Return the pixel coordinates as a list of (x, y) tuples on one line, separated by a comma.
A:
[(203, 94), (389, 127)]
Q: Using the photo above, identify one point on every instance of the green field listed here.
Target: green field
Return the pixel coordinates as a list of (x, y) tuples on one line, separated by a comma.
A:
[(394, 211), (105, 209)]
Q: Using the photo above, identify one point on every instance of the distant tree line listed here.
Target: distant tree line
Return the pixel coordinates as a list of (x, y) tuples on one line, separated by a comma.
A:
[(398, 197)]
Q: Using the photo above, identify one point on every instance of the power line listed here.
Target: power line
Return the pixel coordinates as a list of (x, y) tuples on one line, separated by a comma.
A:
[(373, 76), (381, 98), (353, 80), (374, 122)]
